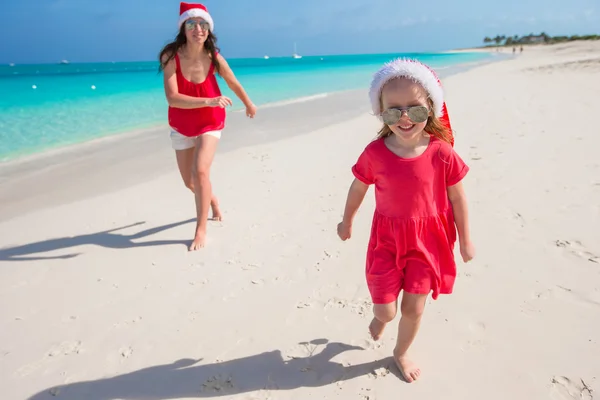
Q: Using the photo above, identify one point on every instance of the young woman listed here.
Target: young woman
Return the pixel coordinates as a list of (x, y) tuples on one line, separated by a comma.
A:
[(196, 106)]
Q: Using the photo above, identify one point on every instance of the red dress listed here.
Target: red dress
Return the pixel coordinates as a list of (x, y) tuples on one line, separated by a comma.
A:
[(413, 232), (196, 121)]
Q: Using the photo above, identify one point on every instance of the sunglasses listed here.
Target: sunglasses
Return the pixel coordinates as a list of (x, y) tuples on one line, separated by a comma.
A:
[(416, 114), (190, 24)]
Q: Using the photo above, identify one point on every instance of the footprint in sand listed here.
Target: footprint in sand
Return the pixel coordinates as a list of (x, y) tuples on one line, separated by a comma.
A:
[(564, 293), (576, 248), (370, 344), (303, 304), (305, 350), (218, 384), (542, 294), (477, 327), (564, 388), (66, 348), (477, 340), (462, 274), (361, 307), (126, 352), (517, 216), (379, 373), (326, 256), (250, 267)]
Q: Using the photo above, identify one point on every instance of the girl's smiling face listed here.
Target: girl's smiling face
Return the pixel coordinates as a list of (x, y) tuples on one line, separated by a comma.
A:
[(403, 93)]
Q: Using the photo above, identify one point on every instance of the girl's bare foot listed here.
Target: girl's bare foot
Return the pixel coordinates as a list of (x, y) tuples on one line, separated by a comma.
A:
[(376, 328), (199, 240), (410, 372)]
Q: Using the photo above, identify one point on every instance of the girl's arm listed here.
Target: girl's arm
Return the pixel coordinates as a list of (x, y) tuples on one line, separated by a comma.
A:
[(457, 197), (237, 88), (356, 195), (178, 100)]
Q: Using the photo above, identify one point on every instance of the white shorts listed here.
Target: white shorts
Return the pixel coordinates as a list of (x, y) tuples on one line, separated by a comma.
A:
[(182, 142)]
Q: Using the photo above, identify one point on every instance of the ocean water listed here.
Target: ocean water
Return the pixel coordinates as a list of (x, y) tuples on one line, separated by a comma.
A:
[(52, 105)]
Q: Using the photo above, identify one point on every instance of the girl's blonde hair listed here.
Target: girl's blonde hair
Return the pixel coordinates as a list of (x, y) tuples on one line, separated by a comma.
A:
[(434, 126)]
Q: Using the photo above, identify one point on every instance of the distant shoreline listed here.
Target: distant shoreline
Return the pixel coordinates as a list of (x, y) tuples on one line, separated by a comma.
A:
[(75, 131), (560, 40)]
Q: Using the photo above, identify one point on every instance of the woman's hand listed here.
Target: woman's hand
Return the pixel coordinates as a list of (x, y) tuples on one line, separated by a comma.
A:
[(221, 101), (250, 110)]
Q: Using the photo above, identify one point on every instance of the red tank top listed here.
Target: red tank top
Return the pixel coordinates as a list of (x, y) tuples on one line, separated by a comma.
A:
[(196, 121)]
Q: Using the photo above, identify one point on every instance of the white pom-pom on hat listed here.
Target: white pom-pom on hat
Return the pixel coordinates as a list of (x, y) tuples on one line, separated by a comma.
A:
[(192, 10), (411, 69)]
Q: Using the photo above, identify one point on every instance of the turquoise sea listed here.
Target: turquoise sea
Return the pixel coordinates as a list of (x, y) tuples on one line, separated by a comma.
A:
[(52, 105)]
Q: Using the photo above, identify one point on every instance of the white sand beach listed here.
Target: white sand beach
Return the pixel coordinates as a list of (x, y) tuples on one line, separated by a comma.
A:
[(100, 299)]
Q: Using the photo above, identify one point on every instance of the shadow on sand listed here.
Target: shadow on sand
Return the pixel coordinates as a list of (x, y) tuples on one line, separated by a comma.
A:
[(184, 379), (108, 239)]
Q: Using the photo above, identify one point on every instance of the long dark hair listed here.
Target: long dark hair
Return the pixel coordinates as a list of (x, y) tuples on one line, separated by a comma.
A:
[(171, 49)]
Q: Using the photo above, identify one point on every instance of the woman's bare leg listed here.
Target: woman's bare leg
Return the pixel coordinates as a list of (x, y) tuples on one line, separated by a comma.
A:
[(185, 161), (204, 154)]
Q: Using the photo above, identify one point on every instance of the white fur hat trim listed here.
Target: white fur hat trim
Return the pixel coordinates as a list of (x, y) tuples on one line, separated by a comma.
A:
[(411, 69), (197, 13)]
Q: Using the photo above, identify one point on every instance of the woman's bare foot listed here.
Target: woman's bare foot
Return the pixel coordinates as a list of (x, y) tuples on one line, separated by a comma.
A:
[(376, 328), (407, 368), (199, 240), (216, 214), (216, 211)]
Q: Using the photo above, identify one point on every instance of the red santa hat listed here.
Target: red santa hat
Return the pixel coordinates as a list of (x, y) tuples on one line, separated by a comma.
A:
[(416, 71), (191, 10)]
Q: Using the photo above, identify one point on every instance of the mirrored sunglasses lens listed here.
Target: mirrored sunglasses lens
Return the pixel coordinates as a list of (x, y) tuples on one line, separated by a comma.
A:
[(418, 114), (391, 116), (191, 24)]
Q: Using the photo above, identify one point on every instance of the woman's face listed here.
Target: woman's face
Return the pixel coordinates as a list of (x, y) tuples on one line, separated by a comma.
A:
[(196, 30)]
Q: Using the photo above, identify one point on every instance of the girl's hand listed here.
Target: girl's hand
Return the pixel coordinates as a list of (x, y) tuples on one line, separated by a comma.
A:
[(467, 251), (250, 110), (221, 101), (344, 230)]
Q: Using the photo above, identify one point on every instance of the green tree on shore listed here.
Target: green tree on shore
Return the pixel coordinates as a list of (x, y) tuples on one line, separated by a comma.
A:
[(533, 39)]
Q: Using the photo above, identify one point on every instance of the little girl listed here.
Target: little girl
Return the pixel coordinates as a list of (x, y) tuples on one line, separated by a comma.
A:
[(419, 199)]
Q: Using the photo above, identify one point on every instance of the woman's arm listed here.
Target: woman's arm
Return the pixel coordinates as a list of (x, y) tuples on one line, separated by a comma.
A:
[(457, 197), (178, 100), (237, 88)]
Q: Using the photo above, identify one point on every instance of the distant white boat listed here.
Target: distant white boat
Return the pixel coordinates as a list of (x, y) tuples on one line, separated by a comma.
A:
[(266, 57), (296, 55), (11, 64), (64, 62)]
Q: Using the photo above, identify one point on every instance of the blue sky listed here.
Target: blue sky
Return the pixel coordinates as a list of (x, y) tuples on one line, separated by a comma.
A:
[(121, 30)]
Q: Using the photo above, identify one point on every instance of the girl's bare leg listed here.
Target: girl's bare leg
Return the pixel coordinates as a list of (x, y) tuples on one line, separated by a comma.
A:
[(412, 309), (384, 313)]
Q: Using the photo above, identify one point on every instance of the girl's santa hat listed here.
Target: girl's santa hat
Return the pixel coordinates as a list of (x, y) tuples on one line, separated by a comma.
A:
[(416, 71), (191, 10)]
